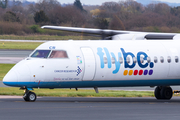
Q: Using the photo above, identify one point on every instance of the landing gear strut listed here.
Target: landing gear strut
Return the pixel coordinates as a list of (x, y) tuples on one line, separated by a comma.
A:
[(163, 92), (29, 96)]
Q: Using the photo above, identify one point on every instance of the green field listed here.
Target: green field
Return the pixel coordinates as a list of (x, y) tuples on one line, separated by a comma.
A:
[(79, 93), (4, 68), (47, 37), (19, 45), (32, 45)]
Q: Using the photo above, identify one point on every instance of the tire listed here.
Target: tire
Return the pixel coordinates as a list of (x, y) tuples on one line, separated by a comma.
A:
[(31, 97), (25, 97), (157, 92), (166, 93)]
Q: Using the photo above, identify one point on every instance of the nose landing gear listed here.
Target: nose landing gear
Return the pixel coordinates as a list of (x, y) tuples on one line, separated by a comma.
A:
[(163, 92), (29, 96)]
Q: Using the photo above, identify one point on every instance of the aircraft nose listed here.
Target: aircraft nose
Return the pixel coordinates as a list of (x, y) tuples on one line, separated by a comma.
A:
[(10, 78)]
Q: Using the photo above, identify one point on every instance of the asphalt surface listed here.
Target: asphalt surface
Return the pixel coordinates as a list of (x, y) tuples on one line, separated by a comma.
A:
[(13, 56), (15, 53), (56, 108)]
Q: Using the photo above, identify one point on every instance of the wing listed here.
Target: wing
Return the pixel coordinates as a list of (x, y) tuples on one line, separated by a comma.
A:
[(109, 34), (86, 30)]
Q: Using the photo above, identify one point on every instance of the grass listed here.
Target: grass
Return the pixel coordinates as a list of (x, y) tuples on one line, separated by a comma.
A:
[(4, 68), (48, 37), (79, 93), (19, 45), (33, 45)]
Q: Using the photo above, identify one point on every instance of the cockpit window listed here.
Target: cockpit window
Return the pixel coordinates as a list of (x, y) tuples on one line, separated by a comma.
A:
[(41, 53), (58, 54)]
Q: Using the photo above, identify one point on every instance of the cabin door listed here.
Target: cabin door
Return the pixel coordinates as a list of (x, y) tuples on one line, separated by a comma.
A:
[(89, 63)]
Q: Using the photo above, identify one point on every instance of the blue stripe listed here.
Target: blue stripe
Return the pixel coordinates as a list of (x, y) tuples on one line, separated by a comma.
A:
[(83, 84)]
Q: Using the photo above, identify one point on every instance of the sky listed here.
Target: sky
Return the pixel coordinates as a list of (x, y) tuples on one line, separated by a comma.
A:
[(99, 2)]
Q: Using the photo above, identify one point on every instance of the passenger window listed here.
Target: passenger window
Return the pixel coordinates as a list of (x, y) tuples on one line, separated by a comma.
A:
[(168, 59), (176, 59), (155, 60), (113, 60), (41, 54), (58, 54), (162, 59), (105, 60), (142, 59), (134, 59), (121, 60), (127, 59), (148, 59)]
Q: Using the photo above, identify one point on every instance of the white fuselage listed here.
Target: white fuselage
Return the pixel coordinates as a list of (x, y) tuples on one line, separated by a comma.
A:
[(99, 64)]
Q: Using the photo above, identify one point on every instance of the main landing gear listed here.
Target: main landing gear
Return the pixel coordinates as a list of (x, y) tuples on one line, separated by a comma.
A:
[(29, 96), (163, 92)]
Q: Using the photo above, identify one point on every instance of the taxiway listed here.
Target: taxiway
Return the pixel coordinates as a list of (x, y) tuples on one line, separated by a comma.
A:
[(56, 108)]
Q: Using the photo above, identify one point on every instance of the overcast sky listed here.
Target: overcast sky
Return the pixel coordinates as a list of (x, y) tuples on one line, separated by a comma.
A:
[(99, 2)]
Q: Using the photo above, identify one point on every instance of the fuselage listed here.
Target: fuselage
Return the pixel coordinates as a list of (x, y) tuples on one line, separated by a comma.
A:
[(79, 64)]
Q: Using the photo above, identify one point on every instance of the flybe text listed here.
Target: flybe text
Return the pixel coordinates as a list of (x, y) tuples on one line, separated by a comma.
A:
[(104, 52)]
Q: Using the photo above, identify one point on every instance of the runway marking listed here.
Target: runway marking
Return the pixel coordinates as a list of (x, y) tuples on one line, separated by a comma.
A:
[(11, 60), (7, 97), (11, 97)]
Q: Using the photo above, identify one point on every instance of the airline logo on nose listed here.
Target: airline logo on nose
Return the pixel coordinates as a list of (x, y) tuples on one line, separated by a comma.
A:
[(103, 52)]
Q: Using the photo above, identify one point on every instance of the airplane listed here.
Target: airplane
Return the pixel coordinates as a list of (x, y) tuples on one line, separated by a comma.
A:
[(123, 59)]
